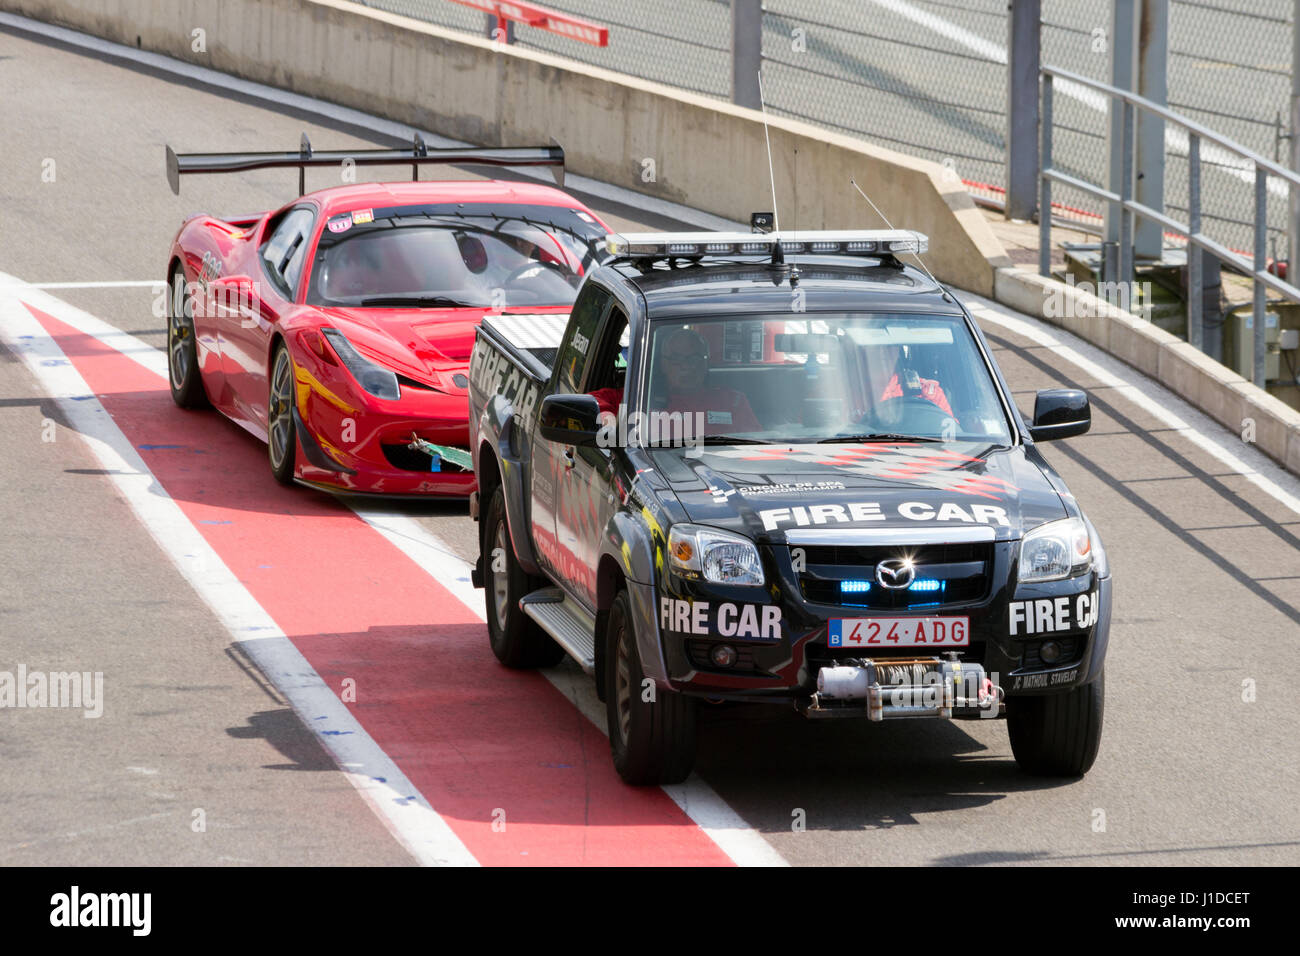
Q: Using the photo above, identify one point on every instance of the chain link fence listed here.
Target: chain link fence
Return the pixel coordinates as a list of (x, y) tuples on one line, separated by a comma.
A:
[(928, 78)]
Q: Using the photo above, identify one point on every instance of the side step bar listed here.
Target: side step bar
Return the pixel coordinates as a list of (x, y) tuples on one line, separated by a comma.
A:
[(569, 624)]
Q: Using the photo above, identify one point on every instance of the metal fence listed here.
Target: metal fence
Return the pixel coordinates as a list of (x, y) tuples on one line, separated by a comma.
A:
[(928, 77)]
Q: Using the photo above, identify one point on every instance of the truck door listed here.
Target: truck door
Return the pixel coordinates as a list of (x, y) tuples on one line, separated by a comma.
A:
[(554, 463), (584, 502)]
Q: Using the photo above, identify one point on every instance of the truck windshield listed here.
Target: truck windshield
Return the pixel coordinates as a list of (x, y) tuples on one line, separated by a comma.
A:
[(394, 258), (825, 378)]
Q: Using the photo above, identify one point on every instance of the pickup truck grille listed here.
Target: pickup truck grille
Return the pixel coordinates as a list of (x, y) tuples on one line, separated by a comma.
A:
[(845, 575)]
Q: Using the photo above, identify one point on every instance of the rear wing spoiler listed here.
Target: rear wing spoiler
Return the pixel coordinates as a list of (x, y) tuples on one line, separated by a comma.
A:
[(418, 154)]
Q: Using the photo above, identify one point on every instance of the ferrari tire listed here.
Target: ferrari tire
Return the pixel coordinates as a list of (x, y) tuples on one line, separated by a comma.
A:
[(182, 352), (281, 430), (651, 730), (516, 639), (1057, 735)]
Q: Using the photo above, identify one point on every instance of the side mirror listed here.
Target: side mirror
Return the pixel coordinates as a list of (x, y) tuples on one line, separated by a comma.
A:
[(570, 419), (1060, 413)]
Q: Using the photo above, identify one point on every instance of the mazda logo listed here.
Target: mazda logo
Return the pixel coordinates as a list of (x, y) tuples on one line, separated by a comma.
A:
[(895, 574)]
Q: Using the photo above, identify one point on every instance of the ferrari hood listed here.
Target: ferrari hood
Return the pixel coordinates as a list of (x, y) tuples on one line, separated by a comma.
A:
[(764, 491), (424, 344)]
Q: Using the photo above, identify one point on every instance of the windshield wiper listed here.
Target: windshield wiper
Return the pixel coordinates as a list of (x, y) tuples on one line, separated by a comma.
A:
[(416, 299), (880, 436), (735, 440)]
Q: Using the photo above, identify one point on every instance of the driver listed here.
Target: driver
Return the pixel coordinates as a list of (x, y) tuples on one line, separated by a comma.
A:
[(684, 363), (354, 270), (884, 365)]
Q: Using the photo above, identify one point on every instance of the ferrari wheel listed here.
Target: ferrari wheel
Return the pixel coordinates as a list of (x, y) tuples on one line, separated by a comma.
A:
[(182, 353), (282, 436)]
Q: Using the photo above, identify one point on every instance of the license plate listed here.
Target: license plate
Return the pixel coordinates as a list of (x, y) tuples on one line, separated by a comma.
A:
[(900, 632)]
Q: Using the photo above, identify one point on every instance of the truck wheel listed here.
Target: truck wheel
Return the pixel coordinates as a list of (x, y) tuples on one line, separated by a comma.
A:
[(516, 639), (653, 742), (182, 351), (1057, 735)]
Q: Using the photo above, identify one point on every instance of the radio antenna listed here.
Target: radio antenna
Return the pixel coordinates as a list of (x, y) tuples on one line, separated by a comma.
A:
[(854, 184), (762, 102)]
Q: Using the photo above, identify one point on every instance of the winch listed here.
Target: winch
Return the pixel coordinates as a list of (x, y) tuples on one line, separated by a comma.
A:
[(898, 687)]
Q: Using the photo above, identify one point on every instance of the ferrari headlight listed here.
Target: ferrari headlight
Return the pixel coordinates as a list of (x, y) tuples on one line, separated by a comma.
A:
[(1056, 550), (375, 379), (716, 556)]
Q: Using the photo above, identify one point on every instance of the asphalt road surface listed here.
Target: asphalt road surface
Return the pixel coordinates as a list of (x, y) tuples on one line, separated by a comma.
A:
[(1197, 764)]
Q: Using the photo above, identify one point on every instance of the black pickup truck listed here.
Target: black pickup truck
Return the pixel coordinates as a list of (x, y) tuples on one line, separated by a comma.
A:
[(783, 469)]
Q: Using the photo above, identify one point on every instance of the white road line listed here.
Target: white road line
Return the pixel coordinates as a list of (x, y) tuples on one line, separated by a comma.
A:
[(342, 114), (696, 798), (394, 799), (159, 284), (1148, 398)]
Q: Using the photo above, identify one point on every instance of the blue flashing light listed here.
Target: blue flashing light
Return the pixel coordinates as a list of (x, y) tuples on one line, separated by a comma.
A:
[(926, 584), (855, 587)]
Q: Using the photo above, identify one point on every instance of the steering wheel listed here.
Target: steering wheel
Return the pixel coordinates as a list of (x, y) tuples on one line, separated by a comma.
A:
[(531, 266), (916, 410)]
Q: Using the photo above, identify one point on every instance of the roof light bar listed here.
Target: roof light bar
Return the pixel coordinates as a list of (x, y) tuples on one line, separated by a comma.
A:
[(660, 245)]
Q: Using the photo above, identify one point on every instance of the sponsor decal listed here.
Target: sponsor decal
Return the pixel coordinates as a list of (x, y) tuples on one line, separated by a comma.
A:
[(748, 622), (1052, 615), (1041, 681), (209, 269), (580, 342), (926, 466), (790, 488), (718, 418), (360, 216), (340, 223), (802, 516)]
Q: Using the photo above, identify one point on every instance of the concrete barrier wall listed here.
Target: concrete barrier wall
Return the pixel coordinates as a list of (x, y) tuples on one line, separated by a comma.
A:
[(1216, 390), (705, 153)]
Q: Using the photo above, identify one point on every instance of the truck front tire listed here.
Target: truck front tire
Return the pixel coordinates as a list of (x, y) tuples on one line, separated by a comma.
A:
[(1057, 735), (516, 639), (651, 730)]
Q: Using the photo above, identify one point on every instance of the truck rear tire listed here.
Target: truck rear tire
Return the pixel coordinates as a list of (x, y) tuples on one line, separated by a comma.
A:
[(652, 741), (1057, 735), (516, 639)]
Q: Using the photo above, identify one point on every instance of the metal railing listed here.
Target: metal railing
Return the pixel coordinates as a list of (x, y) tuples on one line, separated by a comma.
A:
[(1124, 205)]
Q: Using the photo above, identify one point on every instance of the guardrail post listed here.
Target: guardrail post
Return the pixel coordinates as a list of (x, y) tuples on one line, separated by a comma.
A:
[(1023, 26), (1126, 196), (1152, 84), (746, 52), (500, 29), (1044, 183), (1195, 279), (1261, 239), (1123, 59), (1293, 231)]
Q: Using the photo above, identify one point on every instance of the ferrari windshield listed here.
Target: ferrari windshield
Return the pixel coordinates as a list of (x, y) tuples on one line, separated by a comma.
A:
[(425, 258), (835, 377)]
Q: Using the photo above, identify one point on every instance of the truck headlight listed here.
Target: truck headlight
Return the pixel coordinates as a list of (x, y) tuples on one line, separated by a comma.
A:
[(717, 556), (375, 379), (1058, 549)]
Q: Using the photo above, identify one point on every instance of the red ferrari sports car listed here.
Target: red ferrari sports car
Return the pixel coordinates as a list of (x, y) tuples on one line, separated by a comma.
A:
[(338, 328)]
